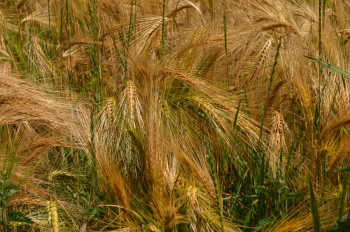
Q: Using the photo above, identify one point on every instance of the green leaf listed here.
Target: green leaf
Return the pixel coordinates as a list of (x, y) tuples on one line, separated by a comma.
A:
[(264, 190), (95, 212), (248, 218), (342, 226), (314, 210), (346, 169), (7, 192), (262, 224), (19, 217), (329, 66)]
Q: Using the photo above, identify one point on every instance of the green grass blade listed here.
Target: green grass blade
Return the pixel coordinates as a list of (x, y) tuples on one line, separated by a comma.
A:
[(236, 116), (329, 66), (314, 210), (346, 169)]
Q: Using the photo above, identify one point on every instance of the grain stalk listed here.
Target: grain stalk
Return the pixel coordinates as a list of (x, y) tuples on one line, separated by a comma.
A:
[(48, 10), (314, 209), (226, 51), (163, 31), (96, 85), (263, 113)]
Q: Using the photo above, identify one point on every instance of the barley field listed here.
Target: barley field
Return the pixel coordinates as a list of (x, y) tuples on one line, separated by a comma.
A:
[(174, 115)]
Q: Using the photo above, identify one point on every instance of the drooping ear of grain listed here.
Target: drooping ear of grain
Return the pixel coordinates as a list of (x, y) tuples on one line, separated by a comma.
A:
[(277, 143), (131, 91), (263, 55)]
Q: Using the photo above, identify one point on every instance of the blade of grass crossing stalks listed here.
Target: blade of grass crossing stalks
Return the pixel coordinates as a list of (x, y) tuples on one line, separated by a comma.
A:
[(346, 169), (329, 66), (236, 116)]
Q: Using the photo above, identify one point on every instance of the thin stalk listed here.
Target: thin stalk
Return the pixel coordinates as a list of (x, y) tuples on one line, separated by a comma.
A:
[(94, 52), (130, 22), (323, 12), (226, 51), (118, 53), (212, 10), (314, 210), (319, 104), (236, 116), (48, 9), (263, 113), (61, 20), (281, 163), (68, 35), (219, 201), (269, 88), (163, 31), (101, 64), (94, 59), (93, 150), (132, 25), (318, 118)]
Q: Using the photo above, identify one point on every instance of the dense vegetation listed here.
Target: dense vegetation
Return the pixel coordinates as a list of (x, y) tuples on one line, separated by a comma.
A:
[(174, 115)]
